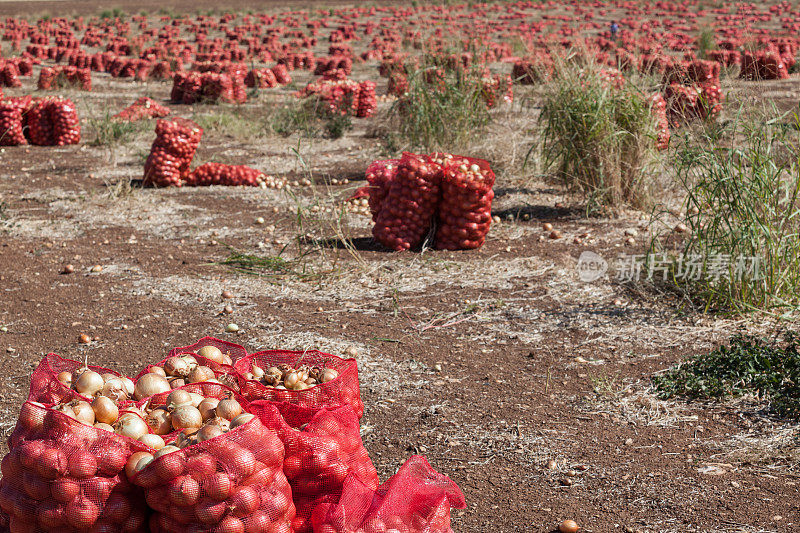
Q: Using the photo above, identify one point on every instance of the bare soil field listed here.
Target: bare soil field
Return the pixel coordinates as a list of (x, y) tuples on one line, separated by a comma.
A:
[(527, 386)]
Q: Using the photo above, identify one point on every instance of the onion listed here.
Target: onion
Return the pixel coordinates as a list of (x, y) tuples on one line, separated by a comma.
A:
[(210, 511), (229, 524), (257, 371), (131, 425), (291, 380), (184, 491), (104, 427), (52, 463), (65, 378), (245, 501), (114, 389), (207, 407), (176, 366), (31, 415), (128, 386), (200, 374), (176, 382), (82, 513), (211, 352), (153, 441), (89, 383), (228, 409), (190, 360), (224, 423), (105, 410), (64, 490), (50, 514), (83, 412), (34, 486), (328, 374), (186, 416), (82, 464), (158, 371), (165, 450), (196, 399), (149, 385), (217, 486), (186, 437), (178, 398), (159, 421), (133, 462), (66, 409), (242, 419), (209, 431), (108, 375)]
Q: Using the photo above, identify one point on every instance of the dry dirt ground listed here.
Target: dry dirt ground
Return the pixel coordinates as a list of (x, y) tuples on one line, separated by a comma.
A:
[(491, 363)]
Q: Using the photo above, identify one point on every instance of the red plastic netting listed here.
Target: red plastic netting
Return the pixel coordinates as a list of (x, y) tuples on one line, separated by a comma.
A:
[(65, 76), (417, 499), (63, 476), (192, 87), (343, 390), (53, 121), (380, 175), (465, 212), (409, 206), (142, 108), (47, 389), (11, 121), (323, 446), (231, 483), (172, 152), (221, 174)]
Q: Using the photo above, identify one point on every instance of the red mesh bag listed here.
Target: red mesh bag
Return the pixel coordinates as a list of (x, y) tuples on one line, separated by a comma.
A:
[(62, 476), (142, 108), (233, 350), (367, 101), (225, 374), (281, 74), (11, 132), (172, 152), (261, 78), (323, 446), (658, 106), (10, 75), (408, 209), (53, 121), (231, 483), (343, 390), (417, 499), (220, 174), (45, 387), (398, 84), (380, 175), (465, 211)]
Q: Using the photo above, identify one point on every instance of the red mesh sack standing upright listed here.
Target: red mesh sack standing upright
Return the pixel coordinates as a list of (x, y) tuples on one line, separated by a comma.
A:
[(465, 212), (380, 175), (11, 132), (343, 390), (417, 499), (407, 210), (231, 483), (323, 446), (63, 476), (172, 152), (53, 121)]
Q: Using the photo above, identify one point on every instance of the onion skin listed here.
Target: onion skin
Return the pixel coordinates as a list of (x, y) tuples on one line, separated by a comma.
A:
[(89, 383), (186, 416), (212, 353), (133, 460), (159, 421), (150, 384), (105, 410)]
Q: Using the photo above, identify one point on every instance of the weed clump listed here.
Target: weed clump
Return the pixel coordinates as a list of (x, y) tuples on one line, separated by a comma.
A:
[(768, 369)]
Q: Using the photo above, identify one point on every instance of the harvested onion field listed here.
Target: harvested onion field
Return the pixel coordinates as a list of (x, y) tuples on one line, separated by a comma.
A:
[(531, 374)]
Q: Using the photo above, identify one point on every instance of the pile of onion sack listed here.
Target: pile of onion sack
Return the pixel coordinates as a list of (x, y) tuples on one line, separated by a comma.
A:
[(172, 152), (49, 121), (410, 196), (64, 76), (211, 87), (142, 108), (208, 439)]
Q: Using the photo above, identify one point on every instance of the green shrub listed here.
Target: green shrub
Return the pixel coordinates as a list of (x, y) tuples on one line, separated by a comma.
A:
[(768, 369)]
